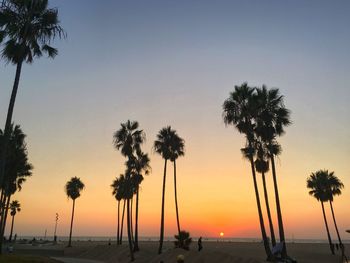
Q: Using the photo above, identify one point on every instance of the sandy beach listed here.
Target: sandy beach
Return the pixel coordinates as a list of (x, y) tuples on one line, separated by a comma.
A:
[(212, 252)]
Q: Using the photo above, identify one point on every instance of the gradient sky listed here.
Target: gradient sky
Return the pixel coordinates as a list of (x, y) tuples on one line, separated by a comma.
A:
[(174, 63)]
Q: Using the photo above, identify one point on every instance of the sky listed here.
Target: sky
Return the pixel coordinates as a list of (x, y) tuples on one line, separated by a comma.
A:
[(174, 63)]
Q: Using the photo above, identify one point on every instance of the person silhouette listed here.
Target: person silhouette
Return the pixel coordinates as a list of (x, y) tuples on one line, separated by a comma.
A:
[(200, 246)]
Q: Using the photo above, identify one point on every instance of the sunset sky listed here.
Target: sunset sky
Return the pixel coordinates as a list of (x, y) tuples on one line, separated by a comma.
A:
[(174, 63)]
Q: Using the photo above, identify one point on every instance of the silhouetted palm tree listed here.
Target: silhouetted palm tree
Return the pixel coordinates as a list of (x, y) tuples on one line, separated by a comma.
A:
[(117, 191), (164, 146), (26, 30), (318, 184), (15, 207), (271, 119), (177, 150), (334, 188), (262, 166), (73, 189), (240, 110), (17, 170), (128, 140), (139, 166)]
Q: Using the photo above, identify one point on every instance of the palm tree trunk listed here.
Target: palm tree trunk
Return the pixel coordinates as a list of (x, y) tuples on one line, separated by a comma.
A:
[(335, 224), (122, 226), (13, 220), (136, 241), (128, 214), (3, 220), (278, 208), (118, 224), (131, 221), (331, 246), (261, 219), (273, 239), (162, 213), (71, 225), (8, 123), (176, 206), (3, 226)]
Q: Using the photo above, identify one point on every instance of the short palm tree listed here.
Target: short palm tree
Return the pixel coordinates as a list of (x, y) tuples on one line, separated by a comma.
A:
[(240, 110), (170, 146), (271, 119), (15, 207), (73, 189), (26, 30), (335, 187), (318, 184), (117, 191)]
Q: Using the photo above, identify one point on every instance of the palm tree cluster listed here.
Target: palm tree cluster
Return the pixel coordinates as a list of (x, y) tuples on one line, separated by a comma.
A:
[(17, 170), (170, 146), (128, 140), (324, 186), (259, 114)]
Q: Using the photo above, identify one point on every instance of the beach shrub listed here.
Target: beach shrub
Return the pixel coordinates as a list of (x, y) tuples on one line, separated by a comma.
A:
[(183, 240)]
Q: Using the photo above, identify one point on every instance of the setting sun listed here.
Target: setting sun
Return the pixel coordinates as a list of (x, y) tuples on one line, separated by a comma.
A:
[(222, 234)]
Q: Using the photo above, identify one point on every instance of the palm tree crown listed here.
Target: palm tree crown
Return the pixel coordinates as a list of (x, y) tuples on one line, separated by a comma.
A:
[(15, 207), (128, 138), (168, 144), (74, 187), (27, 28)]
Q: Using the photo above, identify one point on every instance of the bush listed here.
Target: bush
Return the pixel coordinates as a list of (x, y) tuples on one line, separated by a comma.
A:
[(183, 240)]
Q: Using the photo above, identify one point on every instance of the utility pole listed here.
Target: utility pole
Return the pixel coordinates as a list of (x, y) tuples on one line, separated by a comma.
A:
[(54, 236)]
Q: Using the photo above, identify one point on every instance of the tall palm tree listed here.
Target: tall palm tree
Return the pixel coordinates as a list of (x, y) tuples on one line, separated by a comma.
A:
[(262, 166), (26, 30), (15, 207), (139, 166), (73, 189), (318, 184), (271, 119), (177, 150), (163, 145), (239, 110), (334, 188), (128, 140)]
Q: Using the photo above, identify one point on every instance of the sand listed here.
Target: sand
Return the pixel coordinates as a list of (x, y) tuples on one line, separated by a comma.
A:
[(223, 252)]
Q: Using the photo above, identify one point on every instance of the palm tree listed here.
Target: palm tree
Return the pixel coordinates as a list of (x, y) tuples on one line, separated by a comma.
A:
[(164, 145), (177, 150), (318, 184), (139, 165), (17, 170), (334, 188), (15, 207), (117, 191), (271, 118), (239, 110), (26, 30), (73, 189), (128, 140), (262, 166)]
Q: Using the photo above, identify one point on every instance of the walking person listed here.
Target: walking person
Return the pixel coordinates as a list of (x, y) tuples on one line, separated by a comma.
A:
[(200, 246)]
